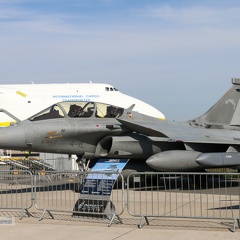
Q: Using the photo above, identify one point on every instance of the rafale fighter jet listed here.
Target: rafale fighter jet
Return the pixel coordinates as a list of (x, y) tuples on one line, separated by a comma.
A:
[(95, 130)]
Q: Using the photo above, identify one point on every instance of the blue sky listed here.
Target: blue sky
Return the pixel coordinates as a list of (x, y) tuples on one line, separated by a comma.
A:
[(178, 56)]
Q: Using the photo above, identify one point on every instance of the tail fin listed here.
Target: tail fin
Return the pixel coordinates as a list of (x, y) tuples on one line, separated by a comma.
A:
[(225, 112)]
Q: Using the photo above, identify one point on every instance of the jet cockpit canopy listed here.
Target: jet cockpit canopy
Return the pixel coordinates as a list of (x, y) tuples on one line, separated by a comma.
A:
[(78, 110)]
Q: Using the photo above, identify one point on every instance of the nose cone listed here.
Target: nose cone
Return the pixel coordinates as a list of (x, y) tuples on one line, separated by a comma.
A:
[(159, 162), (149, 110), (153, 112), (141, 107), (12, 138)]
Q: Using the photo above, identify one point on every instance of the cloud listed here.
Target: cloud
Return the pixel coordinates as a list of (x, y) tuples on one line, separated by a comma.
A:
[(192, 16), (156, 54)]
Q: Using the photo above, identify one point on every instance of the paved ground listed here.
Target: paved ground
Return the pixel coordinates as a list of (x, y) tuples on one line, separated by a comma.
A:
[(64, 226)]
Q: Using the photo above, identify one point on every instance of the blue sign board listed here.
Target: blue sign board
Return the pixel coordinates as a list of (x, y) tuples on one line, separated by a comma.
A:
[(103, 176), (97, 188)]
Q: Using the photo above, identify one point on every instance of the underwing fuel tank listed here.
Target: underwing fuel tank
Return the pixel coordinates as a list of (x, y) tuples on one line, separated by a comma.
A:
[(174, 160), (223, 159)]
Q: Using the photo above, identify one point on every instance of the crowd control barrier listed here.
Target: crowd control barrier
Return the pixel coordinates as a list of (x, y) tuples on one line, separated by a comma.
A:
[(102, 194), (184, 195), (94, 194), (16, 190)]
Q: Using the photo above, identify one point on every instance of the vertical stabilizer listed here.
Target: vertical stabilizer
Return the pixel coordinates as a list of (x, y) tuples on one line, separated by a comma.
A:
[(225, 112)]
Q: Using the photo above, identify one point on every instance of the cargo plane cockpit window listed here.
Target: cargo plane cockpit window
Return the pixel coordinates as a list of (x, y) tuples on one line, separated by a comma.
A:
[(110, 89)]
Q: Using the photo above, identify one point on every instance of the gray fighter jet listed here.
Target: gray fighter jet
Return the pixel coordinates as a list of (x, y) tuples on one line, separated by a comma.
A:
[(95, 130)]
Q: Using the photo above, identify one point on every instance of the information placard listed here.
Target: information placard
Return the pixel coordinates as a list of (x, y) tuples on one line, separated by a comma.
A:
[(97, 188)]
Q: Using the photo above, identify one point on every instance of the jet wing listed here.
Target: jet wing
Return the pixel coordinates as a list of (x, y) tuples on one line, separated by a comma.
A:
[(142, 129), (181, 133)]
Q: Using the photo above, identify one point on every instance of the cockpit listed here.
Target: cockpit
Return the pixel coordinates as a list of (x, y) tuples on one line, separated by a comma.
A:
[(78, 110), (110, 89)]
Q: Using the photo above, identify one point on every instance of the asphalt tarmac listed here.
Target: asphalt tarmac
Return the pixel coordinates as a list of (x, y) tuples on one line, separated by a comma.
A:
[(64, 226)]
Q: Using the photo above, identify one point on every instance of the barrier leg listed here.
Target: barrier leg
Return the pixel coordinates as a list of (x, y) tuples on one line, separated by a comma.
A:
[(140, 224), (41, 217), (119, 219), (22, 214)]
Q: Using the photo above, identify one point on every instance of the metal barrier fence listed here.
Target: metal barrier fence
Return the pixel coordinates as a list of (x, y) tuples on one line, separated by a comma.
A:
[(184, 195), (167, 195), (101, 195), (68, 192), (16, 190)]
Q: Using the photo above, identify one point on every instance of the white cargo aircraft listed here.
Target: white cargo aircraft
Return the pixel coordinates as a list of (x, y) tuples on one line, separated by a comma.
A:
[(24, 100)]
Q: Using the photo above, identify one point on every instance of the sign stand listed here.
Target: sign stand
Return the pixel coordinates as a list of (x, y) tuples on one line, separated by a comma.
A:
[(94, 200)]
